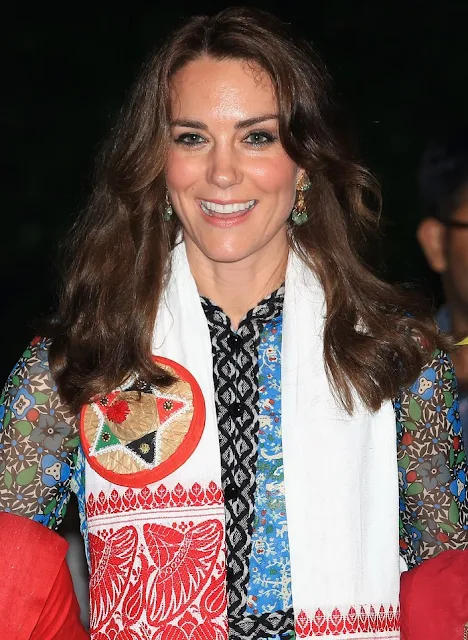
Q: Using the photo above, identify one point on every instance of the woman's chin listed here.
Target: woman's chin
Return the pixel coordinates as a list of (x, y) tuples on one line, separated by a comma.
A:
[(227, 254)]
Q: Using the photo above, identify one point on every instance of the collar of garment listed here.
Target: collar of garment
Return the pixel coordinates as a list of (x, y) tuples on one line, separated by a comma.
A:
[(265, 311)]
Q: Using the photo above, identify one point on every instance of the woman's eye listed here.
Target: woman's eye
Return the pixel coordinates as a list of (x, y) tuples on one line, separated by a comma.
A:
[(259, 138), (189, 139)]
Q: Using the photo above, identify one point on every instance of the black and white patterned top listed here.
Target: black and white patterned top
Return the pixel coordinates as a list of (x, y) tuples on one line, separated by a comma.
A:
[(236, 382)]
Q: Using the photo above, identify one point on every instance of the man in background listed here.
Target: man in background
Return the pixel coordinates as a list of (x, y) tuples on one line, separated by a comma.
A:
[(443, 236)]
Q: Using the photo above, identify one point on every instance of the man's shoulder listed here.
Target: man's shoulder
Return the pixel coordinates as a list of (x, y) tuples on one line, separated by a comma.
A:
[(443, 318)]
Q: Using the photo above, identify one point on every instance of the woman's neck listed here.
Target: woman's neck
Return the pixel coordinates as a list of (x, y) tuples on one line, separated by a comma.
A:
[(237, 287)]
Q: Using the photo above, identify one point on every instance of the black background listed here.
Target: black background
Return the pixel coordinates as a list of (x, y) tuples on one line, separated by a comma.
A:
[(400, 69)]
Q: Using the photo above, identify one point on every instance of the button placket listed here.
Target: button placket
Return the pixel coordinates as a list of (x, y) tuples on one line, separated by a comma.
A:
[(236, 408)]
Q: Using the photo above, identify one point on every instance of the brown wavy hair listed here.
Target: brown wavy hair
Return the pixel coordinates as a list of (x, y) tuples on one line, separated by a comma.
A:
[(121, 244)]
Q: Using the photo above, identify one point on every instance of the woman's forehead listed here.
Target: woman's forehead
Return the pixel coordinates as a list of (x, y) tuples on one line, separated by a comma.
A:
[(226, 89)]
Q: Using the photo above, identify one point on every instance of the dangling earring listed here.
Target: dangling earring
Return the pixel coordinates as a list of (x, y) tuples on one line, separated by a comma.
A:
[(299, 213), (168, 211)]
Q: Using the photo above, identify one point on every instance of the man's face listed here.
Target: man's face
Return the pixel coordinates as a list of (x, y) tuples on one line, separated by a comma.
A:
[(446, 249), (455, 274)]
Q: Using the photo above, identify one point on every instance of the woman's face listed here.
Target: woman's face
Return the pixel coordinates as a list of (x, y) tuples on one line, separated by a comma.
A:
[(230, 181)]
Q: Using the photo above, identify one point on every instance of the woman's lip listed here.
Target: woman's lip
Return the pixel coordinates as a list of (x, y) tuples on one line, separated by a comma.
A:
[(223, 202), (226, 219)]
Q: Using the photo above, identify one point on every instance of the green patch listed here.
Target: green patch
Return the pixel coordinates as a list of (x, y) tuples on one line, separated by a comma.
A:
[(24, 427), (73, 443), (26, 476), (106, 439), (454, 515), (7, 479), (40, 397), (404, 462), (415, 410), (16, 380), (50, 507), (414, 489), (410, 426), (448, 397)]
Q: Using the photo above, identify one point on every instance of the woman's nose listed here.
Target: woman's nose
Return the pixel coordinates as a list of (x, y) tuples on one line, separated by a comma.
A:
[(224, 170)]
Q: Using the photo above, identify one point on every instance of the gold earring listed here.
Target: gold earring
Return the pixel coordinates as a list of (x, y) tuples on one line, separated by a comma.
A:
[(168, 211), (299, 213)]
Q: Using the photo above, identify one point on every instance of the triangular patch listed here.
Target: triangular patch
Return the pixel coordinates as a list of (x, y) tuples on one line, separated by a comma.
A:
[(144, 447), (167, 407), (106, 439)]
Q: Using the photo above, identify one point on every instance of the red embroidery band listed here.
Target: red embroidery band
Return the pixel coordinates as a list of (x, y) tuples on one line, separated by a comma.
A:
[(355, 621), (158, 498)]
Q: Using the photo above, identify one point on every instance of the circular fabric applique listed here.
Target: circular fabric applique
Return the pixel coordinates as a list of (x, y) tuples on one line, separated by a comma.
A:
[(139, 434)]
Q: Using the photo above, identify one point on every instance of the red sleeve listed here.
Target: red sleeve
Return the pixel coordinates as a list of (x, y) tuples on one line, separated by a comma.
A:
[(37, 600), (434, 598), (60, 618)]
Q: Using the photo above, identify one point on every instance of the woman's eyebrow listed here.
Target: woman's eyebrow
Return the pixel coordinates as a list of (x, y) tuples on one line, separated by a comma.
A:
[(242, 124), (190, 124)]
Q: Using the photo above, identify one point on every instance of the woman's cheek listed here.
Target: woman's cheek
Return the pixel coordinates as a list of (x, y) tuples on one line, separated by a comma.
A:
[(182, 171)]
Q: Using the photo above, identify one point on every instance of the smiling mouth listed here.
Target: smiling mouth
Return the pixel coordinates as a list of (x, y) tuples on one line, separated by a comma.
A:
[(214, 208)]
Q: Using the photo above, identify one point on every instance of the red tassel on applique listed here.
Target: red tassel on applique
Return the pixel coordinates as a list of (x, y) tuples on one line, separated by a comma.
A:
[(118, 411)]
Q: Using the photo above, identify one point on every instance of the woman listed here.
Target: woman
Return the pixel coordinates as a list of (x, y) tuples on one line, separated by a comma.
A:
[(244, 481)]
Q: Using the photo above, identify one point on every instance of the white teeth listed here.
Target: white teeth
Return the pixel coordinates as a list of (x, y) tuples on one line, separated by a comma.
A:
[(208, 206)]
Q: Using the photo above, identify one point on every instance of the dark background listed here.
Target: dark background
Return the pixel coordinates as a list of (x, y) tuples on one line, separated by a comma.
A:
[(400, 69)]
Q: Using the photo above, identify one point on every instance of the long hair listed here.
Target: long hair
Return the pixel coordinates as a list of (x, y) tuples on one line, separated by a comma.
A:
[(121, 245)]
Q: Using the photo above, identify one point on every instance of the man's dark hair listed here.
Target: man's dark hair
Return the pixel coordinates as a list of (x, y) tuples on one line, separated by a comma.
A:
[(443, 174)]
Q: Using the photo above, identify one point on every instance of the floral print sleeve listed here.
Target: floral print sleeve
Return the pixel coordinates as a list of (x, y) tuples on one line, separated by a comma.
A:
[(431, 464), (38, 441)]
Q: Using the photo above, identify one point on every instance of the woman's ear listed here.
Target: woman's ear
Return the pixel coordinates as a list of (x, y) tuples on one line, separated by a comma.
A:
[(300, 173), (431, 235)]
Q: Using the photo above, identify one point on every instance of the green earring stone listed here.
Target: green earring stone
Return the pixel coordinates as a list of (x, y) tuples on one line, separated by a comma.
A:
[(299, 217)]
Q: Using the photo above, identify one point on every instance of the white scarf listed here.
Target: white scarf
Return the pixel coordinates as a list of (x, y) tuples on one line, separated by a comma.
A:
[(340, 471), (341, 491)]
